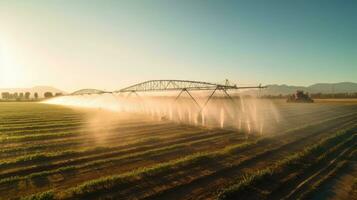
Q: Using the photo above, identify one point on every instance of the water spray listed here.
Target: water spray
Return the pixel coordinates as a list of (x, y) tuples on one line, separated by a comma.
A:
[(187, 110)]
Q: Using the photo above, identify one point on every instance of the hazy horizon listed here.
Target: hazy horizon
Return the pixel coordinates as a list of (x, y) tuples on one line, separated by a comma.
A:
[(112, 44), (69, 91)]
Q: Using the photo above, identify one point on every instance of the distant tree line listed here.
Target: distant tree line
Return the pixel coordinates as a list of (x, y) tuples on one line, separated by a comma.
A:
[(21, 96), (317, 96)]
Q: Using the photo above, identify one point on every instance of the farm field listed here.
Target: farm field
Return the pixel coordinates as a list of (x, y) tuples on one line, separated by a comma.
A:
[(56, 152)]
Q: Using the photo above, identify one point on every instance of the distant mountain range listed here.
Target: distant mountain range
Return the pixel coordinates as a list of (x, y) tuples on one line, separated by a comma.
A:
[(327, 88), (39, 89)]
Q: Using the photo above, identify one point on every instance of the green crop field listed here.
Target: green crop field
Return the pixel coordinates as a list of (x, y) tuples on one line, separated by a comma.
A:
[(56, 152)]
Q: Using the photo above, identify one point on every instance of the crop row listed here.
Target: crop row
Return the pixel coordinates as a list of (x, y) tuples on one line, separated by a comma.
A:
[(51, 126), (111, 182), (211, 179), (80, 134), (125, 155), (115, 181), (315, 186), (296, 161), (130, 137), (85, 127)]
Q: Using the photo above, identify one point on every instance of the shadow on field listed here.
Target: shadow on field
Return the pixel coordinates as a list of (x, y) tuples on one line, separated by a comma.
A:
[(69, 173), (40, 181)]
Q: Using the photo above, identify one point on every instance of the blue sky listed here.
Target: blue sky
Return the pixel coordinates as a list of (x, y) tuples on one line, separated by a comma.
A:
[(111, 44)]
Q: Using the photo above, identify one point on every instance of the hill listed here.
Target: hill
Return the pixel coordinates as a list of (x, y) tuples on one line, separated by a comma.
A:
[(327, 88)]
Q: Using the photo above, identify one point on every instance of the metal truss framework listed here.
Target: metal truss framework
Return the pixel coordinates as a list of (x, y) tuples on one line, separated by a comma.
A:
[(184, 86), (174, 85), (167, 85), (88, 91)]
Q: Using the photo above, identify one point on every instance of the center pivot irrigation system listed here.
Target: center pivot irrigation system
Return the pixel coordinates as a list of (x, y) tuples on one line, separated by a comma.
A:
[(173, 85)]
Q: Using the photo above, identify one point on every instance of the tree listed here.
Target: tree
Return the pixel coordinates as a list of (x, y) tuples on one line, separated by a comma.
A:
[(27, 95), (58, 94), (5, 95), (21, 95), (48, 94), (36, 95)]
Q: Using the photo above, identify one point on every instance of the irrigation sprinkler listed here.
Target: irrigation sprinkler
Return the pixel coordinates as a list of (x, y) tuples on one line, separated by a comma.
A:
[(184, 86)]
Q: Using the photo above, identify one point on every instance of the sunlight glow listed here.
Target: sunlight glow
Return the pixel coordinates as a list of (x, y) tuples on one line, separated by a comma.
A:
[(10, 71)]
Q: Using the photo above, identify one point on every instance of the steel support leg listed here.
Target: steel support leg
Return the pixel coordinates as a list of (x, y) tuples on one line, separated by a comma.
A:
[(198, 105), (132, 92), (229, 96), (205, 104), (136, 94), (178, 96), (194, 100), (233, 101)]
